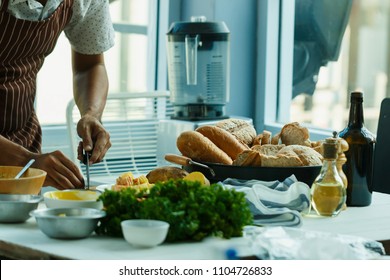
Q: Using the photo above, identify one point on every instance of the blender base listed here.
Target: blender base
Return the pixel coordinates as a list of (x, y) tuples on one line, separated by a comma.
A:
[(198, 112)]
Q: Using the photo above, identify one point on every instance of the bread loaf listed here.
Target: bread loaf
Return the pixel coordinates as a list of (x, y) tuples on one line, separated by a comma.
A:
[(198, 147), (294, 134), (243, 131), (279, 156), (223, 139)]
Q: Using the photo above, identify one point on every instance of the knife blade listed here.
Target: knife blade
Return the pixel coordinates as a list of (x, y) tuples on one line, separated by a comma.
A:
[(86, 162)]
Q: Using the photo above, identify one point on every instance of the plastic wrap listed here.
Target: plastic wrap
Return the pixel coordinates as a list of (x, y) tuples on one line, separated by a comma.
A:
[(272, 243)]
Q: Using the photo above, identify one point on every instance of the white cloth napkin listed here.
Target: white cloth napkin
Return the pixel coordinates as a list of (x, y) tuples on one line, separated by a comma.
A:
[(274, 203)]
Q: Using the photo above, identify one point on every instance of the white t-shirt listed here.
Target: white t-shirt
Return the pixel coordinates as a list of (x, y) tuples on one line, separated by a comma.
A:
[(90, 29)]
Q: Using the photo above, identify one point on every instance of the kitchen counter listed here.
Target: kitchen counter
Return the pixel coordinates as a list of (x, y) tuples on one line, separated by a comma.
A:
[(26, 241)]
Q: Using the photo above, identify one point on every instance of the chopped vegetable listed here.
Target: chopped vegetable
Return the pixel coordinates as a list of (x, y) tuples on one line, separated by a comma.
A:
[(193, 211)]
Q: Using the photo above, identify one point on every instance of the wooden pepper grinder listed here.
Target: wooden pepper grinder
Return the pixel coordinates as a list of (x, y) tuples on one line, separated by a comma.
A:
[(341, 160)]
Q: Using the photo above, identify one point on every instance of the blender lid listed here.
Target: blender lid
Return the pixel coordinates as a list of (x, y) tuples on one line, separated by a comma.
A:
[(212, 30)]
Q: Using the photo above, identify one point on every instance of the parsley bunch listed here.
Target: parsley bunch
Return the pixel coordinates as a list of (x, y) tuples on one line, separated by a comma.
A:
[(192, 210)]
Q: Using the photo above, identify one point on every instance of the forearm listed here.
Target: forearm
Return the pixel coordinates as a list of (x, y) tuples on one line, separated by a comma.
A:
[(90, 84), (13, 154)]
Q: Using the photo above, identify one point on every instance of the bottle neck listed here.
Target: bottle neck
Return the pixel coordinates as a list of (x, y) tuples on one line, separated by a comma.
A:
[(356, 117)]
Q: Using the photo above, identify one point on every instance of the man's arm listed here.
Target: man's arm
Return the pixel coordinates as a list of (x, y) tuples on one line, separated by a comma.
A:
[(90, 86)]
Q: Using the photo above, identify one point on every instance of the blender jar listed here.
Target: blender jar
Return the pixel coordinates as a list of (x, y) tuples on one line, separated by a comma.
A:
[(198, 68)]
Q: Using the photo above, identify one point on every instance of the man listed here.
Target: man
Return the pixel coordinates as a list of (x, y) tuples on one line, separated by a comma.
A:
[(29, 30)]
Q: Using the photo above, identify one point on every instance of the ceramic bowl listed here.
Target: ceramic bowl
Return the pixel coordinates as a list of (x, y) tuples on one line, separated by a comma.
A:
[(30, 183), (15, 208), (144, 233), (72, 199), (67, 223)]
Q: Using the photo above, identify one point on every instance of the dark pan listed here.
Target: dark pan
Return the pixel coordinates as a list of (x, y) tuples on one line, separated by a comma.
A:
[(306, 174)]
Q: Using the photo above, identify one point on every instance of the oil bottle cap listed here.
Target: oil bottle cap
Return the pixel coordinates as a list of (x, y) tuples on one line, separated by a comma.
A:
[(330, 148)]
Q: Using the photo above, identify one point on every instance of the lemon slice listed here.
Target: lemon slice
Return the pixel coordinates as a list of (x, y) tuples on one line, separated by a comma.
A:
[(197, 176)]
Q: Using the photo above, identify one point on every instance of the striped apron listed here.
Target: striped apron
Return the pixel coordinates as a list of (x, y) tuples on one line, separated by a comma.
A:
[(24, 45)]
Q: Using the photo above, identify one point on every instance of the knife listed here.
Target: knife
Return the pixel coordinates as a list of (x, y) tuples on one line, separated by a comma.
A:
[(86, 162)]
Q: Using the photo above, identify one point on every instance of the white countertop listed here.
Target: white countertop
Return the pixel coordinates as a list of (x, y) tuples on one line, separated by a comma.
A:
[(372, 222)]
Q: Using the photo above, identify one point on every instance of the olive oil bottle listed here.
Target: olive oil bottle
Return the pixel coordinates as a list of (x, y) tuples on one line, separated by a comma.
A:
[(359, 165), (327, 192)]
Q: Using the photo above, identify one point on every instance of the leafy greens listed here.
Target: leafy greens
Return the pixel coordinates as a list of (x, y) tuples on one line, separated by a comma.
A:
[(192, 210)]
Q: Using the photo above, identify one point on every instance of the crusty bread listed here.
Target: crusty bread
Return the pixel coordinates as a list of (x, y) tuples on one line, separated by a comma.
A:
[(223, 139), (268, 149), (279, 156), (248, 158), (307, 155), (281, 161), (294, 134), (275, 140), (243, 131), (262, 138), (164, 173), (198, 147)]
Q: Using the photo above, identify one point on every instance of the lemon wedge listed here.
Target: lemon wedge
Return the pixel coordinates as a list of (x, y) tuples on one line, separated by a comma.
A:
[(197, 176)]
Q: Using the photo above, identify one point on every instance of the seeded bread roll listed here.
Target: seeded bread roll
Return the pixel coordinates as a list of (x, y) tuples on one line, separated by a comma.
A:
[(243, 131), (223, 139), (194, 145)]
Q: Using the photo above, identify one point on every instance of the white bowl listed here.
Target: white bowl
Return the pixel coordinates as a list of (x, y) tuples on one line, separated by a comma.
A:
[(72, 199), (144, 233)]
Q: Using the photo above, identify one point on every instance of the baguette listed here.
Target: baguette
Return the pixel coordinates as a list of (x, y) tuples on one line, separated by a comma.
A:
[(223, 139), (196, 146)]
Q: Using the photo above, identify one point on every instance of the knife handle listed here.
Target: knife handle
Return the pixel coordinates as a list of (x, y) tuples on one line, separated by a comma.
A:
[(182, 160), (86, 157)]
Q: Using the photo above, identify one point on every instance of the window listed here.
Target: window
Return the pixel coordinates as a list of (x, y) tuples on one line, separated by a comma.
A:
[(343, 45), (130, 63)]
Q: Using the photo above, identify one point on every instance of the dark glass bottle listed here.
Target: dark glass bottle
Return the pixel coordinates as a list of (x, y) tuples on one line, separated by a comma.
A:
[(359, 165)]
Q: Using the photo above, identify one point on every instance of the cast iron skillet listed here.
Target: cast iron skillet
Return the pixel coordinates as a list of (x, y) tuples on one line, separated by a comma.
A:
[(306, 174)]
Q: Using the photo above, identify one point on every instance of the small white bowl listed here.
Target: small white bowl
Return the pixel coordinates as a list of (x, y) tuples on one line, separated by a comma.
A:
[(72, 199), (144, 233)]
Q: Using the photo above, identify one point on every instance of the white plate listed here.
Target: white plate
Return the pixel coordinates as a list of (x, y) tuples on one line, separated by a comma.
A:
[(104, 187)]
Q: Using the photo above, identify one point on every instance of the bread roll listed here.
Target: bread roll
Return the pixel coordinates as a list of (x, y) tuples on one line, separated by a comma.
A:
[(294, 134), (164, 173), (223, 139), (194, 145), (243, 131)]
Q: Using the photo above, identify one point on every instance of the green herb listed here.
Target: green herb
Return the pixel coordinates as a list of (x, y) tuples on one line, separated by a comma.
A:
[(192, 210)]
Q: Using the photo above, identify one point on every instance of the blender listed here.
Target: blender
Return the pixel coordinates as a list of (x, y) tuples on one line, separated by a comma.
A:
[(198, 68)]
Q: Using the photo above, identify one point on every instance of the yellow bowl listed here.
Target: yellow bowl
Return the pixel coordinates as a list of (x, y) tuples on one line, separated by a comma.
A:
[(30, 183), (72, 199)]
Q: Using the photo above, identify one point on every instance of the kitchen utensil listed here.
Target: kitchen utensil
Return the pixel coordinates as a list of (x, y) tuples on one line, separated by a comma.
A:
[(21, 172), (198, 68), (186, 161), (86, 157), (306, 174), (67, 223), (30, 183), (15, 208)]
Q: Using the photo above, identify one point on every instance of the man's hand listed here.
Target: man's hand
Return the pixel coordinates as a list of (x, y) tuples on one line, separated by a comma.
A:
[(94, 137), (62, 173)]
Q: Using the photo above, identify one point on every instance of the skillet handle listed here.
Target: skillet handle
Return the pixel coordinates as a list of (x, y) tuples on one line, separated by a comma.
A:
[(181, 160)]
